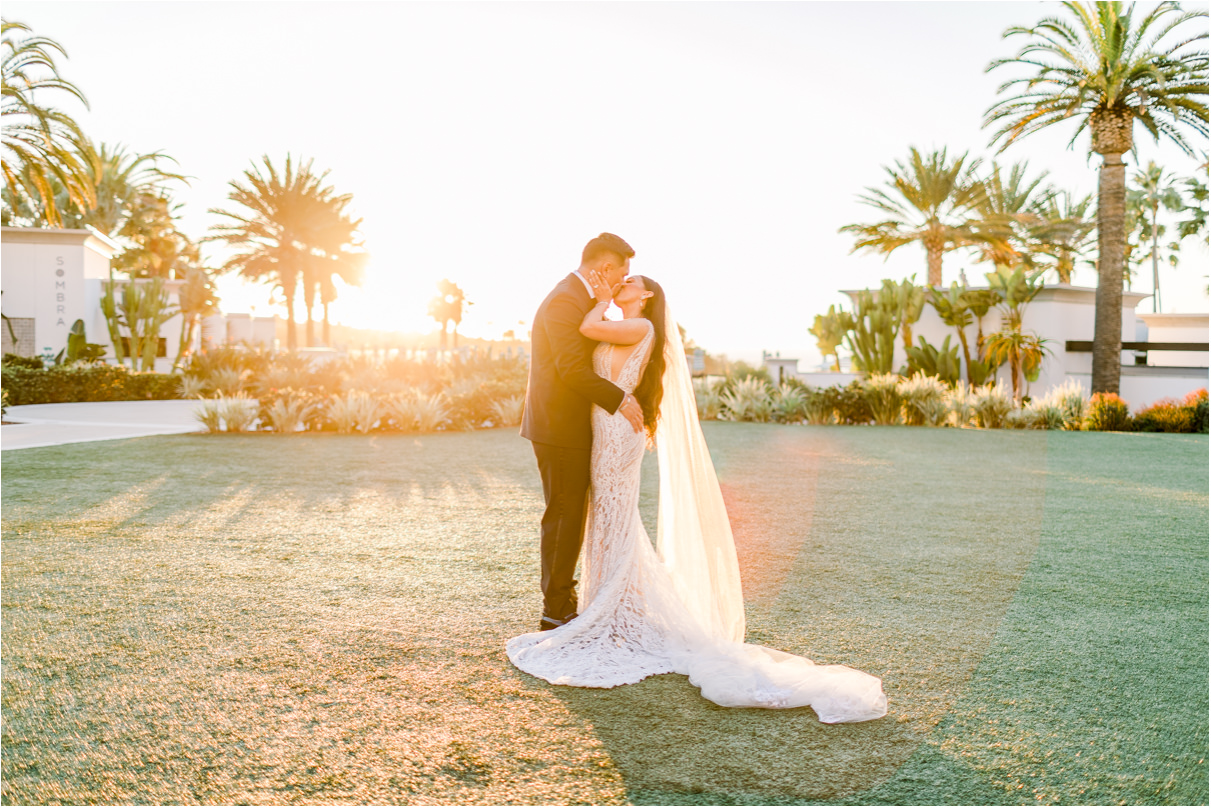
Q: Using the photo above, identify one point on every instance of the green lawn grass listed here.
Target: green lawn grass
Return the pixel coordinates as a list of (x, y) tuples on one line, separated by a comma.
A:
[(322, 618)]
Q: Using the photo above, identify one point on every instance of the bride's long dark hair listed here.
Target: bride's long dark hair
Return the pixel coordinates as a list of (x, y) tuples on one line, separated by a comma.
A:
[(650, 390)]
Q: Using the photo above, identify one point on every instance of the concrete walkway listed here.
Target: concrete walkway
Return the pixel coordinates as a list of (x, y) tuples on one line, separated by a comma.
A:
[(55, 424)]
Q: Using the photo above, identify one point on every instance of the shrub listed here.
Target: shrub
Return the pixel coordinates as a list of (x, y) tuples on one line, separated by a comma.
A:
[(788, 402), (18, 361), (748, 400), (849, 404), (883, 394), (1071, 400), (1107, 413), (192, 387), (209, 412), (992, 405), (418, 411), (922, 397), (286, 412), (960, 406), (1041, 414), (226, 381), (1198, 402), (354, 410), (817, 408), (508, 411), (707, 398), (239, 412), (82, 381), (471, 400), (1166, 415)]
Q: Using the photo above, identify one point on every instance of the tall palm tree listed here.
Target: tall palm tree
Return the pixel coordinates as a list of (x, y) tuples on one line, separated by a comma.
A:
[(1105, 69), (448, 307), (1156, 188), (930, 199), (157, 249), (38, 143), (275, 233), (338, 253)]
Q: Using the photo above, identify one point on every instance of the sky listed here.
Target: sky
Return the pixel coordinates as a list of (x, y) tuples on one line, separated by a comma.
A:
[(487, 142)]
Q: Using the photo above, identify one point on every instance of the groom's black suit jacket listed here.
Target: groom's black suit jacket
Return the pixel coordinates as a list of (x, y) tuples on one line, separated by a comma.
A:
[(562, 386)]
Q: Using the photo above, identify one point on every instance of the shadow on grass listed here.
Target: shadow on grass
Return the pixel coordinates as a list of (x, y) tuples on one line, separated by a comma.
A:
[(870, 548)]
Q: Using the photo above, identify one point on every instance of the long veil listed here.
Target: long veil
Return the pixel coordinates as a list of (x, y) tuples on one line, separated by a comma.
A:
[(693, 535), (695, 545)]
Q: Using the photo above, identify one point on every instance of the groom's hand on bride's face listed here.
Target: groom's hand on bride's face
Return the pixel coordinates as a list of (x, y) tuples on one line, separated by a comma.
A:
[(631, 410)]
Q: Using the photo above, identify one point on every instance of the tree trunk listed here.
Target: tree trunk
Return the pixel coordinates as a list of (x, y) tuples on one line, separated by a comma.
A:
[(966, 352), (309, 303), (1108, 319), (327, 328), (933, 258), (445, 324), (292, 339)]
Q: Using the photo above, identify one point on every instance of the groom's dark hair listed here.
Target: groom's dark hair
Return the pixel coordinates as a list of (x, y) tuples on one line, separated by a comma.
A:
[(606, 243)]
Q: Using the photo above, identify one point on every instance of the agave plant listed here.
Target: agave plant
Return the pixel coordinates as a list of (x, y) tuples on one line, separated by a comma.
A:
[(923, 399), (788, 401), (508, 411), (226, 381), (192, 387), (749, 400), (288, 413), (417, 412), (710, 406), (353, 410), (883, 393), (992, 405)]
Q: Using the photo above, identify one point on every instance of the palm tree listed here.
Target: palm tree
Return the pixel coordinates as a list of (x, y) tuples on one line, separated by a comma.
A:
[(274, 236), (447, 307), (1196, 208), (338, 253), (118, 180), (1106, 70), (157, 248), (38, 141), (932, 200), (198, 298), (1063, 233), (1009, 213), (1156, 187)]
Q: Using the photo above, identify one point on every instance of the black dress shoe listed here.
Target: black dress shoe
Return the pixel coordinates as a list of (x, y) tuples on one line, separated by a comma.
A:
[(548, 623)]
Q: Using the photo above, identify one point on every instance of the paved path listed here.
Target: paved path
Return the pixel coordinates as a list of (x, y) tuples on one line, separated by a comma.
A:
[(55, 424)]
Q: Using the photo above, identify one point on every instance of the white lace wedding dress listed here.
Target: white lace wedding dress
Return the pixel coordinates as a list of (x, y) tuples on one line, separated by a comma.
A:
[(642, 612)]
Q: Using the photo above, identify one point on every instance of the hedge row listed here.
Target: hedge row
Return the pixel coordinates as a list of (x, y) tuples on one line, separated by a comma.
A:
[(85, 382)]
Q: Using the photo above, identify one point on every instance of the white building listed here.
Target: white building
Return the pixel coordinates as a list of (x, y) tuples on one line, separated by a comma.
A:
[(1063, 315), (51, 278)]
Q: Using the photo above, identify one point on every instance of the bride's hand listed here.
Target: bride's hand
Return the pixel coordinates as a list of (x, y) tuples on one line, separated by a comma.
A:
[(601, 289)]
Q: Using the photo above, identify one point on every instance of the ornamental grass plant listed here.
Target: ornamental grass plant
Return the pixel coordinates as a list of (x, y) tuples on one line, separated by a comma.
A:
[(923, 400), (882, 392)]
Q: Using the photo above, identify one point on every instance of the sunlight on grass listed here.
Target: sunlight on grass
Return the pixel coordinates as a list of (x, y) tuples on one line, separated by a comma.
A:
[(249, 619)]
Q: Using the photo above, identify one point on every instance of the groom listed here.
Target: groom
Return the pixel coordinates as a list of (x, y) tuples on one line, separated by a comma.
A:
[(559, 396)]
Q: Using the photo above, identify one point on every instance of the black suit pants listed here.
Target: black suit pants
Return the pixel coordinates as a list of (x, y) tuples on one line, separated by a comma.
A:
[(565, 486)]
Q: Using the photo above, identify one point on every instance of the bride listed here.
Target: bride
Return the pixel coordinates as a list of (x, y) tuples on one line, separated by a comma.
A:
[(676, 607)]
